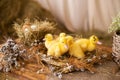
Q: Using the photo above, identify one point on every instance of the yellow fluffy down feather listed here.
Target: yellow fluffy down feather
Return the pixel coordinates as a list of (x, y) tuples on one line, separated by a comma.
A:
[(59, 46), (82, 45)]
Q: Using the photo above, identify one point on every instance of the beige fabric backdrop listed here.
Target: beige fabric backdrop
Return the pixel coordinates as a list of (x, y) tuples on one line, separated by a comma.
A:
[(82, 15)]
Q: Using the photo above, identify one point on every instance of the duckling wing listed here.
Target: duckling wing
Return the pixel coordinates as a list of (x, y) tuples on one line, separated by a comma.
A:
[(51, 51), (91, 47), (53, 48), (58, 52), (83, 43), (48, 44), (76, 51), (69, 40), (61, 48)]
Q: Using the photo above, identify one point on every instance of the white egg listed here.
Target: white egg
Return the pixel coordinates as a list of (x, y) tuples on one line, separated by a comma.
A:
[(33, 27), (26, 30)]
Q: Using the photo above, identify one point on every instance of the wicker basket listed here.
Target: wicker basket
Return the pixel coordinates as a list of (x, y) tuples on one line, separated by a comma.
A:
[(116, 47)]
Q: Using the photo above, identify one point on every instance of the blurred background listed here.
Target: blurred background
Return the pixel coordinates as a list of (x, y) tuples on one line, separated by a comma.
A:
[(83, 15), (74, 16)]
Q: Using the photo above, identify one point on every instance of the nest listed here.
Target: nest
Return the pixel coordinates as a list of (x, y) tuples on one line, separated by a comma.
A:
[(67, 63), (37, 54), (30, 30)]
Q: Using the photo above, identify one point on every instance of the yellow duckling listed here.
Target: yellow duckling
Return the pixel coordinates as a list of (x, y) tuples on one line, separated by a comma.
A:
[(48, 40), (58, 48), (61, 35), (69, 39), (76, 51), (65, 42), (80, 46), (88, 44)]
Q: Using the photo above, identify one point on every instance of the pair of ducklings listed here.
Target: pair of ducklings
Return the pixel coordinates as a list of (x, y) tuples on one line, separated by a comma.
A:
[(66, 43), (59, 46)]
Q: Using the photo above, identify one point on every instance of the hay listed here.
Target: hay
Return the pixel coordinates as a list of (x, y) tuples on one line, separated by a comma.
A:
[(9, 11), (17, 10), (30, 31), (67, 64)]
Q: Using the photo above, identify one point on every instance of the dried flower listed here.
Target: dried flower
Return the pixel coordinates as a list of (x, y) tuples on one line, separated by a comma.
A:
[(59, 75), (115, 26), (11, 51)]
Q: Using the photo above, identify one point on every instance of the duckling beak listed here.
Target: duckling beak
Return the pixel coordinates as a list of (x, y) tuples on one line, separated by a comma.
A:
[(99, 42)]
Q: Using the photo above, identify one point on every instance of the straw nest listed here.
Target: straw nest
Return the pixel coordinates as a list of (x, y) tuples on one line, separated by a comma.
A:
[(13, 10), (33, 30)]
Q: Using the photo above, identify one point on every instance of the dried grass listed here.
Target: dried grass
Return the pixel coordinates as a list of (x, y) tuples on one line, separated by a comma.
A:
[(36, 55), (29, 30), (67, 64), (17, 10)]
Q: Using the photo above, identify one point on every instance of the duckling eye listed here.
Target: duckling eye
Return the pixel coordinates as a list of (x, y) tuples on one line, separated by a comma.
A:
[(94, 38)]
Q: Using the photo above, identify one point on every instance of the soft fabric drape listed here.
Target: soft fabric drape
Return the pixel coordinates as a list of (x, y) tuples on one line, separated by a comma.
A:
[(83, 15)]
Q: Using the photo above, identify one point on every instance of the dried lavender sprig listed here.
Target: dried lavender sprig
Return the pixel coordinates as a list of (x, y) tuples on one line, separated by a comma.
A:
[(11, 51)]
